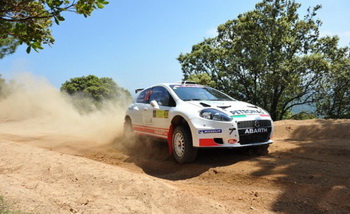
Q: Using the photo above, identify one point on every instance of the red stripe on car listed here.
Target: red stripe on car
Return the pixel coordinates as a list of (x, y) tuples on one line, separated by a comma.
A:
[(207, 142), (152, 131)]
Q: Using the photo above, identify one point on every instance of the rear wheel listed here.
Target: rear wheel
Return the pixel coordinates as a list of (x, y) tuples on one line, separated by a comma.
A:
[(128, 133), (183, 149)]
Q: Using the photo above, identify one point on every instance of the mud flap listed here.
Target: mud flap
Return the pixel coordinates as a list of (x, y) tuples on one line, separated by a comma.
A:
[(170, 136)]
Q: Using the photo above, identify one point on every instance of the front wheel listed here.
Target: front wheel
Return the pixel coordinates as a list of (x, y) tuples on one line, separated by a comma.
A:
[(260, 150), (183, 149)]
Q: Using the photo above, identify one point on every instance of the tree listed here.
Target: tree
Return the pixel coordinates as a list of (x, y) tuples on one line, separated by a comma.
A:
[(93, 87), (202, 78), (3, 86), (334, 92), (6, 87), (265, 56), (29, 21), (7, 46), (90, 92), (303, 115)]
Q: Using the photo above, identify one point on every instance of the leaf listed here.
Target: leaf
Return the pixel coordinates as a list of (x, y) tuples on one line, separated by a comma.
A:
[(56, 20), (60, 18), (99, 5), (103, 2), (28, 49)]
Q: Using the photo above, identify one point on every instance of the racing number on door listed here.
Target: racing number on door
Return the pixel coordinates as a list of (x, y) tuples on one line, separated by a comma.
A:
[(231, 130)]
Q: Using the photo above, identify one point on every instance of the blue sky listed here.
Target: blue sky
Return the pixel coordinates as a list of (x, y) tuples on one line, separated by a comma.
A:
[(137, 42)]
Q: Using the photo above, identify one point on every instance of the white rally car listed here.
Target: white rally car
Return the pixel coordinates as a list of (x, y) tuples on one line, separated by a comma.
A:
[(191, 116)]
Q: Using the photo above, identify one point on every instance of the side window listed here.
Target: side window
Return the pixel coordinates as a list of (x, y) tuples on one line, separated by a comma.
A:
[(144, 96), (162, 96)]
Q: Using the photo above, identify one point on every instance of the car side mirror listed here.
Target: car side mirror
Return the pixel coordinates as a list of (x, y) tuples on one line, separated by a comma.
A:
[(154, 104)]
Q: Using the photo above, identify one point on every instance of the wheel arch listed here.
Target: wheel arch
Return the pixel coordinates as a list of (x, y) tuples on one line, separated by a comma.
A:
[(128, 129), (127, 118), (178, 120)]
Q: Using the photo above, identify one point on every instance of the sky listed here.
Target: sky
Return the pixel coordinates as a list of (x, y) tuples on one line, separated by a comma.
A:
[(136, 42)]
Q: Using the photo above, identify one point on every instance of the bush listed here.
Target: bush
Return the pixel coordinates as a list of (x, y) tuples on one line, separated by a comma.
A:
[(303, 115), (90, 93)]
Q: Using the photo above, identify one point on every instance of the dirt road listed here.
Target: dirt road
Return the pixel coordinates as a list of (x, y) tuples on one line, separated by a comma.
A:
[(306, 171)]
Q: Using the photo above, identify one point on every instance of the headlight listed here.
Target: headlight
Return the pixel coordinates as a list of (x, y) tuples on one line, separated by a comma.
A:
[(213, 114)]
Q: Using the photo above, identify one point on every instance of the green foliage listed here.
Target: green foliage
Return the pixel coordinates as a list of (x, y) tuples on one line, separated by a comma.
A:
[(7, 46), (303, 115), (4, 208), (265, 56), (334, 92), (202, 78), (91, 86), (29, 22), (2, 87), (5, 87), (288, 115), (90, 92)]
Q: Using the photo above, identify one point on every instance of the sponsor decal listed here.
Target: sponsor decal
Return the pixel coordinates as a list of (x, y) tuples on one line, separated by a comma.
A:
[(160, 113), (256, 130), (239, 116), (243, 115), (248, 111), (231, 130), (210, 131)]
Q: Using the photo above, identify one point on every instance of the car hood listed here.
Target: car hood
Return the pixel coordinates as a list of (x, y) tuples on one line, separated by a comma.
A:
[(232, 108)]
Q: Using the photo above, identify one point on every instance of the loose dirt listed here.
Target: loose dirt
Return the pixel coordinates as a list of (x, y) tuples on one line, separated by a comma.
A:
[(306, 171), (54, 161)]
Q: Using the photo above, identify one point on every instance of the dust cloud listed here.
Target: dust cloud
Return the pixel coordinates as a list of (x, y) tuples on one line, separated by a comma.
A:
[(37, 112)]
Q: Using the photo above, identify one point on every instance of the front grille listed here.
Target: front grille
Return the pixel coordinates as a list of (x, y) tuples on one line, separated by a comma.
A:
[(254, 131), (251, 123)]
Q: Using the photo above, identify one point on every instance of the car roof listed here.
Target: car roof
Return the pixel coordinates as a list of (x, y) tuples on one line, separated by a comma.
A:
[(167, 85), (179, 84)]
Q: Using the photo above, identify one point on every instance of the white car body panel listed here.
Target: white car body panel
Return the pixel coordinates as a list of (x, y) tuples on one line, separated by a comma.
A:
[(250, 125)]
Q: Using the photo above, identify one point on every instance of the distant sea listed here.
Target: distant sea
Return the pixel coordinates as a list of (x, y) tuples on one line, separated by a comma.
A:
[(306, 107)]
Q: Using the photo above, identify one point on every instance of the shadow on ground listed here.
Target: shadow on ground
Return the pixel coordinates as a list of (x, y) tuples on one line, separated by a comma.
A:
[(153, 158), (315, 173)]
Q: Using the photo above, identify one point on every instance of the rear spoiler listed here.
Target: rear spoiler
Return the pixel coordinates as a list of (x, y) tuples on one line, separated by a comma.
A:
[(188, 83), (138, 90)]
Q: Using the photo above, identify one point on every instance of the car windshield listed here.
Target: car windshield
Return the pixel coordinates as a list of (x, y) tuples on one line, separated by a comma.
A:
[(195, 92)]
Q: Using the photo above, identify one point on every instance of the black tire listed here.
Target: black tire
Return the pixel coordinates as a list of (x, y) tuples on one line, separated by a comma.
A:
[(183, 150), (128, 132)]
